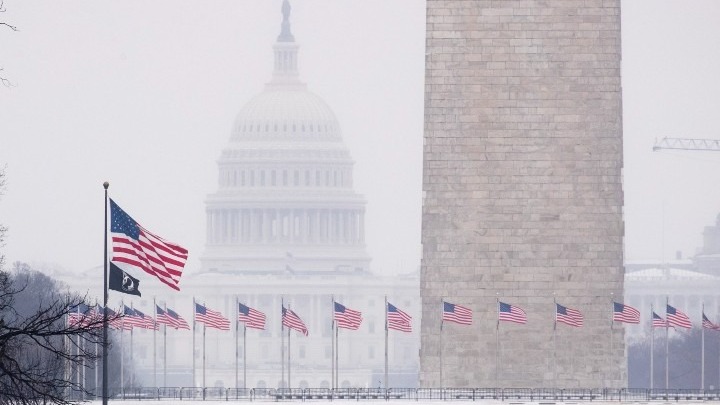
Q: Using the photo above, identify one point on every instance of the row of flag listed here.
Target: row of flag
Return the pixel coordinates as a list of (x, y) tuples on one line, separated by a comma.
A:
[(133, 318), (569, 316)]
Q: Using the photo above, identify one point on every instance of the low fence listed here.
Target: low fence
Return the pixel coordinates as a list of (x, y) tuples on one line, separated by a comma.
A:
[(412, 394)]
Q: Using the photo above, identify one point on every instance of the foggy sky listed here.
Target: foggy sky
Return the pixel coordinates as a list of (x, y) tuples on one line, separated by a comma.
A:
[(144, 94)]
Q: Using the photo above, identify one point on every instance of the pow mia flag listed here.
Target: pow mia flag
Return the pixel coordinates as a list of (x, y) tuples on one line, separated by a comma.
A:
[(121, 281)]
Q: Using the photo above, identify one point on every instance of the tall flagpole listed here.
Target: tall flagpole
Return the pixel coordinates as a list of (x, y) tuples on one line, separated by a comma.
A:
[(105, 300), (204, 330), (122, 353), (386, 343), (702, 349), (652, 347), (337, 350), (194, 381), (288, 353), (244, 356)]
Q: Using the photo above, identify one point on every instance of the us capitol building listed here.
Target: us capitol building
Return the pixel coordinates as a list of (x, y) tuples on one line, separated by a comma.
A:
[(285, 226)]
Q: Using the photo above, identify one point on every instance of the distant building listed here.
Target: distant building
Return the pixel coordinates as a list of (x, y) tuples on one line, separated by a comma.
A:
[(284, 227)]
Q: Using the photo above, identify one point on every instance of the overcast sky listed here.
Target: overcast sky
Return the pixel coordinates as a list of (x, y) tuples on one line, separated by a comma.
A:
[(143, 95)]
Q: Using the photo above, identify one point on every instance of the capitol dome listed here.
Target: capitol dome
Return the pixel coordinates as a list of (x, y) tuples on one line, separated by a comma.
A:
[(286, 112), (285, 202)]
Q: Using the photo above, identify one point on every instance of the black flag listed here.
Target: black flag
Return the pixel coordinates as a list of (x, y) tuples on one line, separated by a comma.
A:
[(121, 281)]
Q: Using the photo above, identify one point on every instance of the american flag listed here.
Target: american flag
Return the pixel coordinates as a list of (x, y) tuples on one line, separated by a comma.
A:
[(176, 320), (76, 315), (148, 321), (707, 324), (568, 316), (292, 321), (347, 318), (250, 317), (130, 320), (658, 322), (135, 245), (162, 318), (625, 313), (677, 318), (115, 321), (210, 318), (397, 319), (456, 313), (511, 313)]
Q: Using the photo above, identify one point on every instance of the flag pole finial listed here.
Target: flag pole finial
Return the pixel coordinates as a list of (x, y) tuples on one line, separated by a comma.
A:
[(106, 185)]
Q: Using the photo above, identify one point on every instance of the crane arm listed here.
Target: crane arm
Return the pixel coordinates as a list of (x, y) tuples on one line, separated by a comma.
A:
[(687, 144)]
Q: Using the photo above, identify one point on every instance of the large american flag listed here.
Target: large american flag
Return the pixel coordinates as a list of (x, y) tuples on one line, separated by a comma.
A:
[(136, 246), (397, 319), (456, 313), (658, 322), (346, 317), (250, 317), (568, 316), (210, 318), (292, 321), (625, 313), (707, 324), (511, 313), (677, 318)]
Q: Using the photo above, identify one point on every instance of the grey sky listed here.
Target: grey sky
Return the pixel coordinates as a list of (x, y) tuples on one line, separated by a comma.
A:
[(143, 94)]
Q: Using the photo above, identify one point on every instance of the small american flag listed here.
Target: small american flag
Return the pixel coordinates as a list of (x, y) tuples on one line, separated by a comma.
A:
[(677, 318), (292, 321), (511, 313), (347, 318), (397, 319), (658, 322), (210, 318), (148, 322), (129, 320), (163, 317), (178, 321), (456, 313), (625, 313), (76, 314), (251, 317), (568, 316), (707, 324), (136, 246)]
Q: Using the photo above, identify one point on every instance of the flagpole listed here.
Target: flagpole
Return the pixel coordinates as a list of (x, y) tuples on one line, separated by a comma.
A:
[(288, 353), (282, 341), (497, 341), (652, 347), (386, 343), (440, 347), (122, 353), (105, 300), (332, 342), (612, 322), (194, 308), (154, 344), (702, 349), (244, 356), (204, 330), (132, 361), (237, 332), (165, 350), (555, 342), (667, 335)]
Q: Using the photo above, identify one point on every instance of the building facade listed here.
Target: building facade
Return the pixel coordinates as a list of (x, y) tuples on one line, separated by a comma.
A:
[(522, 192)]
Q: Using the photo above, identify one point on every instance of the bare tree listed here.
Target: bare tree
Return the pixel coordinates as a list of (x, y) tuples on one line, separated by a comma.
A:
[(3, 79), (43, 336)]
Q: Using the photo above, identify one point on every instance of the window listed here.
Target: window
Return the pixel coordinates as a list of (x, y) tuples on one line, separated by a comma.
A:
[(297, 178), (302, 351), (371, 352), (272, 178), (262, 177)]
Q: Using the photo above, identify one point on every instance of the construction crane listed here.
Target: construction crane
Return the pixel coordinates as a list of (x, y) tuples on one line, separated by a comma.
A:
[(687, 144)]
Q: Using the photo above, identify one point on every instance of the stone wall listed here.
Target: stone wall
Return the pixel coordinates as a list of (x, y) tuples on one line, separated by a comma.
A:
[(523, 192)]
